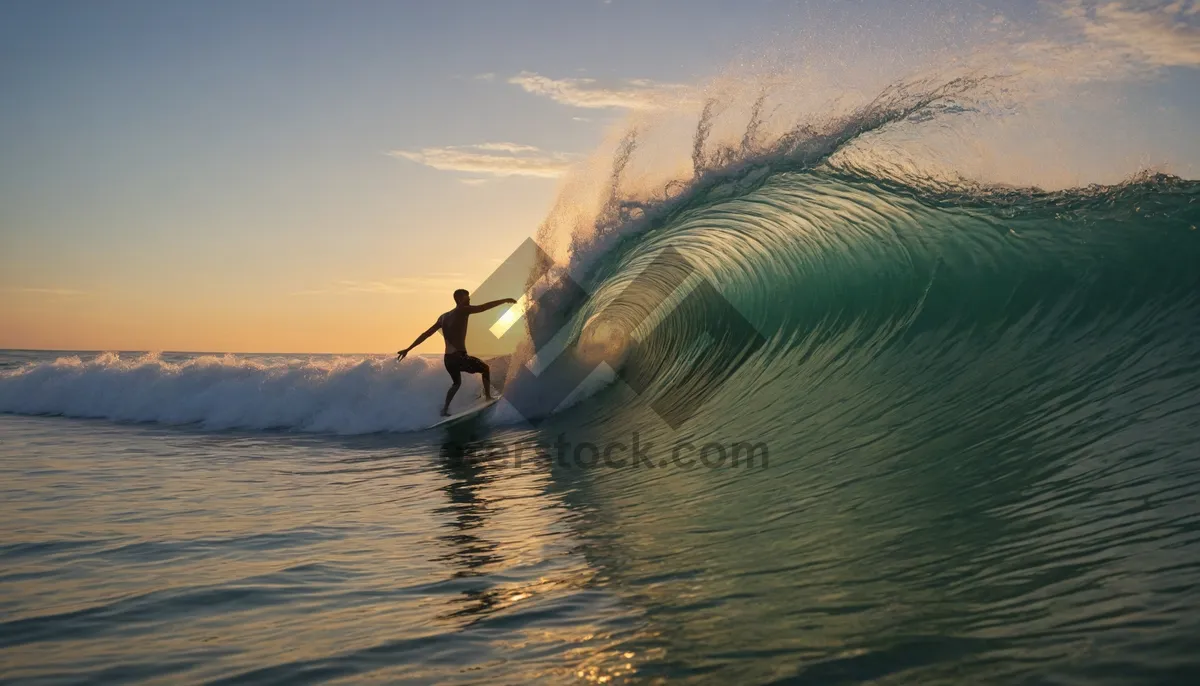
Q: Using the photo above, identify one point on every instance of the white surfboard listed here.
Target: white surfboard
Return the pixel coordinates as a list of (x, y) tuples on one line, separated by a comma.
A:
[(466, 414)]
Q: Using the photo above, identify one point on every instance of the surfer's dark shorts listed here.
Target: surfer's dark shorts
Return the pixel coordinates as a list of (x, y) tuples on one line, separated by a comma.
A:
[(457, 363)]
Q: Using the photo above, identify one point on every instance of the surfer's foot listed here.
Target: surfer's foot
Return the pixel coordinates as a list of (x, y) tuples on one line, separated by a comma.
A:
[(445, 413)]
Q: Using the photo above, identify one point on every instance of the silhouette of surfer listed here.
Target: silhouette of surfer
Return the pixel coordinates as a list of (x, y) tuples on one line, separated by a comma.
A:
[(454, 329)]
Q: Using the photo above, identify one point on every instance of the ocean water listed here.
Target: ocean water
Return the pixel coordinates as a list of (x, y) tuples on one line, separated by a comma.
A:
[(954, 442)]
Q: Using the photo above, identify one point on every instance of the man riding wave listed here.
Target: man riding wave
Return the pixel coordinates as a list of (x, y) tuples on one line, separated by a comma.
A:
[(454, 330)]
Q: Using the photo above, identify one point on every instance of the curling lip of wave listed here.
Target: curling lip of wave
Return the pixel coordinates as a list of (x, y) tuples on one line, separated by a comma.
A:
[(870, 252), (966, 261)]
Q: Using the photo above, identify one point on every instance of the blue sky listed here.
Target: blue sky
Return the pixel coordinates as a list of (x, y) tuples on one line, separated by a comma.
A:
[(312, 175)]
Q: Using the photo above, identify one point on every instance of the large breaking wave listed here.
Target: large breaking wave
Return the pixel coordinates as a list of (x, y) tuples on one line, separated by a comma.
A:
[(881, 291)]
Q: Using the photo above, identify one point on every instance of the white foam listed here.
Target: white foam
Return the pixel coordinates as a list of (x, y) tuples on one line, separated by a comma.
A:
[(344, 395)]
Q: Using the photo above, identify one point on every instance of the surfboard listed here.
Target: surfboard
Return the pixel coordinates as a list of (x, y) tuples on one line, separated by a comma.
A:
[(473, 411)]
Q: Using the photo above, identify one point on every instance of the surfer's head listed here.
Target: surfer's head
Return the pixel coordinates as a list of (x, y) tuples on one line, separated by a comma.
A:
[(462, 297)]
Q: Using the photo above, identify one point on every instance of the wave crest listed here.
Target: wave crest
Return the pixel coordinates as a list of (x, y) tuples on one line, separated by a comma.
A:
[(341, 395)]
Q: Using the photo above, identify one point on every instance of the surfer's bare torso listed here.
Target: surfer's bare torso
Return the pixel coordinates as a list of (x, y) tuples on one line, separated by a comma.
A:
[(454, 329)]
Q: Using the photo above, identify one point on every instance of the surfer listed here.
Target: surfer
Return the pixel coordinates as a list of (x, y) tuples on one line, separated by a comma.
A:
[(454, 329)]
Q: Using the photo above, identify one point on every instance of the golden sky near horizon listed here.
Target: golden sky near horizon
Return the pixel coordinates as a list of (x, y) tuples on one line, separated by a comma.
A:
[(199, 178)]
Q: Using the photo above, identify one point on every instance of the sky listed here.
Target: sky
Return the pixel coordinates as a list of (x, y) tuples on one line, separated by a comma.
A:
[(318, 177)]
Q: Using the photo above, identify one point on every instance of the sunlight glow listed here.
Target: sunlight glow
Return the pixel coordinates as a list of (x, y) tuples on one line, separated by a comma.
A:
[(512, 316)]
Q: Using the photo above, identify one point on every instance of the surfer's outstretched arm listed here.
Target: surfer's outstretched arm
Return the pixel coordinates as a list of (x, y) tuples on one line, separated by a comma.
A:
[(476, 309), (420, 339)]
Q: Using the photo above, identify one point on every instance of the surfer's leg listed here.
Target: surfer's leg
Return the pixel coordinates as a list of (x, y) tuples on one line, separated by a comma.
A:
[(450, 396), (454, 369), (474, 365)]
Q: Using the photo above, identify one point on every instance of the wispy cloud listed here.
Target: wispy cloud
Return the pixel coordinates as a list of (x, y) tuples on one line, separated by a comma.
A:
[(488, 76), (493, 159), (54, 292), (1108, 41), (513, 148), (1156, 35), (404, 285), (631, 94)]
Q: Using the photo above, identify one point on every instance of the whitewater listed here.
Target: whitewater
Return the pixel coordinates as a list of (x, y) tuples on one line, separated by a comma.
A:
[(980, 402), (309, 393)]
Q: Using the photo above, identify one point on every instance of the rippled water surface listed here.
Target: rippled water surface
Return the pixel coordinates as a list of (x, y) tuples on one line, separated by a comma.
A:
[(140, 553), (135, 552)]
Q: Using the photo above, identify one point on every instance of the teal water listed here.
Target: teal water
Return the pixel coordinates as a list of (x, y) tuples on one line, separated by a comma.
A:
[(973, 412)]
